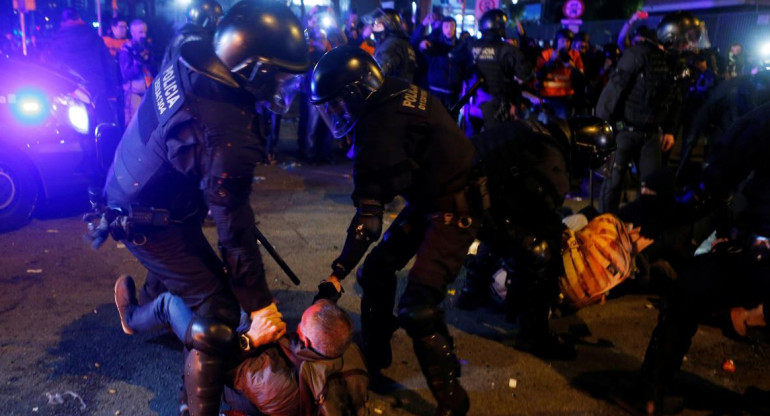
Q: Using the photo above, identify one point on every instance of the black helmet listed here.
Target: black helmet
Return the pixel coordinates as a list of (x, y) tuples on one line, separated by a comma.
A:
[(389, 19), (264, 43), (593, 140), (493, 22), (266, 33), (205, 13), (342, 81), (682, 31)]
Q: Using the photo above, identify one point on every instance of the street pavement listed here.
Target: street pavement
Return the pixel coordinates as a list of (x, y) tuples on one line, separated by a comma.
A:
[(62, 351)]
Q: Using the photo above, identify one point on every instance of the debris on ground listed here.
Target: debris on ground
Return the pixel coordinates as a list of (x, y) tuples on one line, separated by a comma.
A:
[(729, 366), (57, 399)]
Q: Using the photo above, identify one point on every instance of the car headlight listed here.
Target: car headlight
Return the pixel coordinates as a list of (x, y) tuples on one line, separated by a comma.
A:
[(78, 117), (73, 112)]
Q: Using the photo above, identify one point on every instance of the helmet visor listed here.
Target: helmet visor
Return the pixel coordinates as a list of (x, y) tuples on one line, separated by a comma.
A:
[(287, 87), (271, 85), (337, 116)]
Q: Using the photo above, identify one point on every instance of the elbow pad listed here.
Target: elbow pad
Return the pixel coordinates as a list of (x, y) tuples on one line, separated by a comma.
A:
[(367, 225), (364, 229)]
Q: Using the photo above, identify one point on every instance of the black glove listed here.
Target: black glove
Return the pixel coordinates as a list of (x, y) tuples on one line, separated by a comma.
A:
[(327, 290), (103, 222), (98, 228)]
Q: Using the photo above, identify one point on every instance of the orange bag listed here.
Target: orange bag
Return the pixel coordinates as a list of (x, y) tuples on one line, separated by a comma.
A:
[(597, 258)]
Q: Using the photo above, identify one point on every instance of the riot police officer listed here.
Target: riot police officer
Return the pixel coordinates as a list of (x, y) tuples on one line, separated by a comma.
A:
[(499, 66), (735, 272), (643, 99), (393, 52), (404, 143), (527, 166), (190, 149), (202, 19)]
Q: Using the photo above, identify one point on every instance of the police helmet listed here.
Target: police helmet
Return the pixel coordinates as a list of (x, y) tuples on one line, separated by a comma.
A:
[(493, 22), (388, 21), (592, 140), (342, 81), (205, 13), (681, 31), (265, 44)]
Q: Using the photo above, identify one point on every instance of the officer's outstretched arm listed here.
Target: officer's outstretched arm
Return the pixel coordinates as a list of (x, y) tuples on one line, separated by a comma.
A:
[(364, 229)]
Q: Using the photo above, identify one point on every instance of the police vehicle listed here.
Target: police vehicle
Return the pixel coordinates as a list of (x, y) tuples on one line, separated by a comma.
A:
[(48, 145)]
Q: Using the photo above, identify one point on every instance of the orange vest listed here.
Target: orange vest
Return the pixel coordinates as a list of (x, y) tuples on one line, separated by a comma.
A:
[(558, 82), (113, 44)]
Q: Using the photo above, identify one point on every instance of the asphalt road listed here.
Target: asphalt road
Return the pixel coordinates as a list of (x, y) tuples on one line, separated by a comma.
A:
[(62, 351)]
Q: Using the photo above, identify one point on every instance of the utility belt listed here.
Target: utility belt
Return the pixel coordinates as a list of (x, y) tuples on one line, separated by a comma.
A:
[(757, 247), (122, 225), (646, 129), (469, 202)]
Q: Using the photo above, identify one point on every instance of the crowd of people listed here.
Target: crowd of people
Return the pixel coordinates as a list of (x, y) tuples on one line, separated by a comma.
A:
[(482, 137)]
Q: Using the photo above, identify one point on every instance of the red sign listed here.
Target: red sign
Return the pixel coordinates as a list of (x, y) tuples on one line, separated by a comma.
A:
[(573, 9), (483, 6)]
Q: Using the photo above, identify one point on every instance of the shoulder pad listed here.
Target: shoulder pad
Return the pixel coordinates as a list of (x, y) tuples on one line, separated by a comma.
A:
[(415, 100), (167, 93), (199, 56)]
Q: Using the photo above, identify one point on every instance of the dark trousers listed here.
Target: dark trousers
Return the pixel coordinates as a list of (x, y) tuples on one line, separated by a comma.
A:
[(180, 260), (642, 148), (440, 251), (440, 247), (714, 281)]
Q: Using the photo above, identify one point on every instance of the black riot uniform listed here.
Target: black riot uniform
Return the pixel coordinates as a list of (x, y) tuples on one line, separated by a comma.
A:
[(527, 166), (191, 148), (500, 66), (202, 19), (393, 51), (736, 272), (730, 100), (642, 99), (404, 143)]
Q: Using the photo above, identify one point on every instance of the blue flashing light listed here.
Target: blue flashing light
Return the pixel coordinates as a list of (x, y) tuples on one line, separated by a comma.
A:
[(30, 106)]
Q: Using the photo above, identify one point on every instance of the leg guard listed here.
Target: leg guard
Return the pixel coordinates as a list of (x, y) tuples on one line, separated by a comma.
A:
[(377, 320), (479, 269), (534, 290), (210, 342), (668, 345), (435, 353)]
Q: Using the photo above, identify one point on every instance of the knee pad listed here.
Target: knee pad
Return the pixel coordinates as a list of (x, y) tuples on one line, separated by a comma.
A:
[(421, 320), (210, 336)]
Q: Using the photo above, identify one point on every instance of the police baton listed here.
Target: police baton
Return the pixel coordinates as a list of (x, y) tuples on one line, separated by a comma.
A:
[(277, 257), (455, 110)]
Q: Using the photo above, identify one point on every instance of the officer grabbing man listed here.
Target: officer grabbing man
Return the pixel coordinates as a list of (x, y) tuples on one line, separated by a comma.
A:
[(404, 143), (735, 273), (527, 166), (499, 66), (643, 100), (191, 148)]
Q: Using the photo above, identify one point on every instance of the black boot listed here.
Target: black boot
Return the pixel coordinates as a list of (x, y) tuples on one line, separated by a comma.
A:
[(377, 327), (536, 338), (479, 269), (439, 364)]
